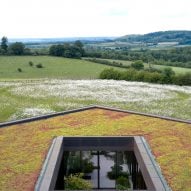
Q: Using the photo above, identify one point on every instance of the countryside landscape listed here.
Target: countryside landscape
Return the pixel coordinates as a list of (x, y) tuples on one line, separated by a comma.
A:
[(99, 69), (68, 75)]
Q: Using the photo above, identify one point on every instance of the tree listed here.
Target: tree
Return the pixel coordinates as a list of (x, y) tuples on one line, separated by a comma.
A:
[(17, 48), (78, 43), (67, 50), (4, 44), (57, 50)]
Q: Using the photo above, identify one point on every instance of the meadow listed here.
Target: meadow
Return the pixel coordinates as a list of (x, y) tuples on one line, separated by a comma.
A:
[(53, 67), (27, 98)]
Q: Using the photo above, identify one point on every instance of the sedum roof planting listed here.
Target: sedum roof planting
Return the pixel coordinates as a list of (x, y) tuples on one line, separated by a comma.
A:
[(23, 147)]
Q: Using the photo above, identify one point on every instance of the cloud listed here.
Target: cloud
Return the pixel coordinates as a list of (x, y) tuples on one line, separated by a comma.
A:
[(59, 18)]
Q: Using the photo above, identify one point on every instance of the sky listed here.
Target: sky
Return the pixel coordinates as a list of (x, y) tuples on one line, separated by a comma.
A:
[(91, 18)]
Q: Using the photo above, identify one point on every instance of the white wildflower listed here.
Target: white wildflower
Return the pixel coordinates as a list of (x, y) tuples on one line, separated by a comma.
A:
[(100, 90), (30, 112)]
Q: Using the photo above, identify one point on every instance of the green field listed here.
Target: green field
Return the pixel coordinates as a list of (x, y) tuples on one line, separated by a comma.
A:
[(53, 67), (177, 70)]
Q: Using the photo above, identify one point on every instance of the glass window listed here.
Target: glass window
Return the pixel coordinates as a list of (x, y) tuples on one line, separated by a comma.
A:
[(105, 169)]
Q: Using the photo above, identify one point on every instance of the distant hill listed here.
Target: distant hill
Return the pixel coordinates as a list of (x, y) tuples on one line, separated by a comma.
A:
[(181, 37), (60, 40)]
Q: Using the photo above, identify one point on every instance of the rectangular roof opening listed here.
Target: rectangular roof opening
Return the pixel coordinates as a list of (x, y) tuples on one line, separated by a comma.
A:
[(112, 163)]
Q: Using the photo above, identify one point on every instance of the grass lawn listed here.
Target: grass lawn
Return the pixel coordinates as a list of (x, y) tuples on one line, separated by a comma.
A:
[(54, 67), (23, 147), (177, 70)]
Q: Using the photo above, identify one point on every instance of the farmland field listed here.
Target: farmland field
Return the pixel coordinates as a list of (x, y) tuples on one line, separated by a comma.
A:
[(177, 70), (26, 98), (53, 67)]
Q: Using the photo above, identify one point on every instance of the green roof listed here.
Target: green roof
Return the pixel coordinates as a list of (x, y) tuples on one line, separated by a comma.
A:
[(23, 146)]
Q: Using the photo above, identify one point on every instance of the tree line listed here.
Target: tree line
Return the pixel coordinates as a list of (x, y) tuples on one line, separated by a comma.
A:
[(69, 50), (17, 48), (180, 57), (74, 50)]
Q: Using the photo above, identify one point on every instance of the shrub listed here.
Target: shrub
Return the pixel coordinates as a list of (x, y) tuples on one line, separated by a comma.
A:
[(128, 75), (139, 76), (122, 183), (19, 69), (110, 74), (85, 166), (153, 77), (152, 69), (76, 182), (183, 79), (168, 72), (39, 65), (112, 175), (168, 75), (138, 65), (107, 62), (117, 171), (31, 63)]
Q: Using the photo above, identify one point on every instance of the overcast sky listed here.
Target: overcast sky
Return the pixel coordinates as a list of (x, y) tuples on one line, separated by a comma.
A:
[(90, 18)]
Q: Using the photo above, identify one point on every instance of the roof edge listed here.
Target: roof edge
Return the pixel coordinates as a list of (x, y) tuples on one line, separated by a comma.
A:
[(9, 123), (41, 117), (145, 114)]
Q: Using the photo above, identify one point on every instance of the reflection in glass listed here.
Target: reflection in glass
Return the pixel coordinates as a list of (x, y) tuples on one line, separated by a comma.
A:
[(107, 161), (104, 169)]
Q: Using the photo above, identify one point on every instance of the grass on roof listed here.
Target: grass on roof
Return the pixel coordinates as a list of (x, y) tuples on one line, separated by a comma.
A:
[(23, 147)]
